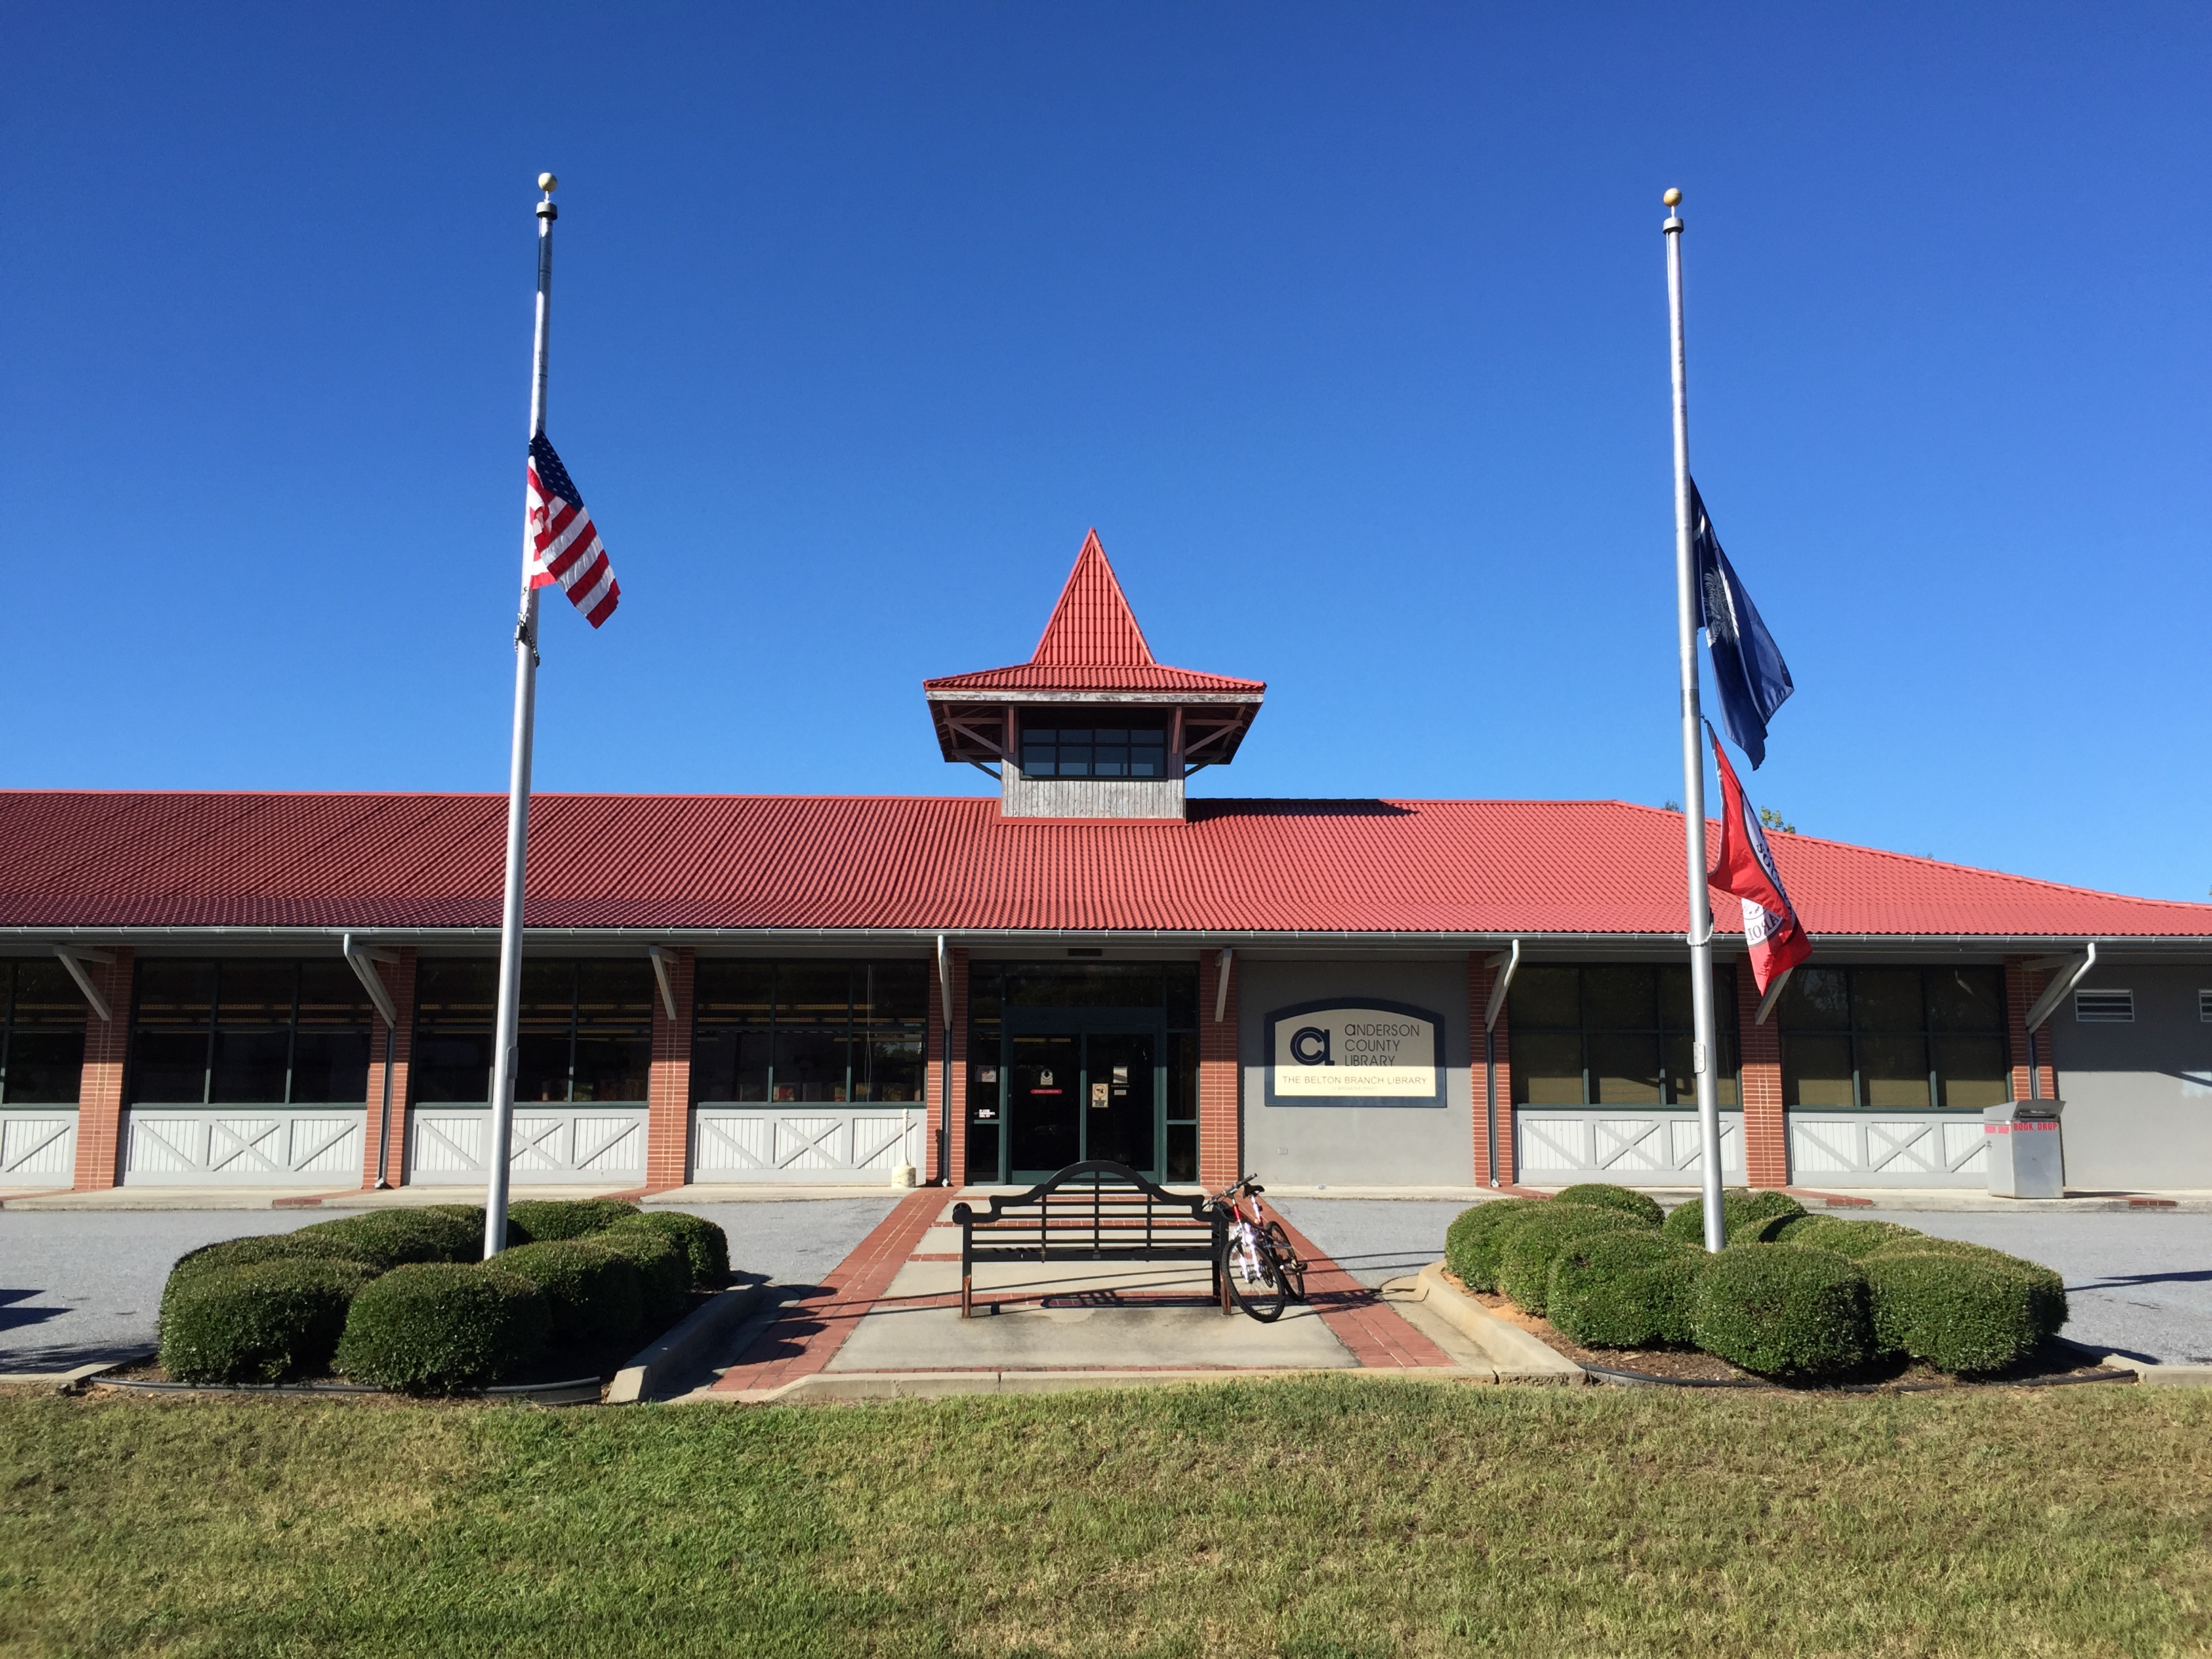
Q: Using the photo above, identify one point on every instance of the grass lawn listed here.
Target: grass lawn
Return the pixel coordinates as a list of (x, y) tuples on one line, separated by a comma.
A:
[(1341, 1517)]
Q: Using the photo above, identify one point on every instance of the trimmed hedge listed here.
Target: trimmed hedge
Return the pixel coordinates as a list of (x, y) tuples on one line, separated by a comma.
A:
[(252, 1251), (545, 1219), (440, 1327), (2050, 1303), (1856, 1239), (1477, 1236), (1624, 1290), (1607, 1196), (1783, 1310), (261, 1323), (388, 1238), (1524, 1266), (705, 1245), (1738, 1205), (458, 1228), (664, 1272), (1956, 1313), (592, 1295)]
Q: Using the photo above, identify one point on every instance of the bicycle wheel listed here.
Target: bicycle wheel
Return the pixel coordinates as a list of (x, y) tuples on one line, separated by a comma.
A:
[(1256, 1285), (1286, 1262)]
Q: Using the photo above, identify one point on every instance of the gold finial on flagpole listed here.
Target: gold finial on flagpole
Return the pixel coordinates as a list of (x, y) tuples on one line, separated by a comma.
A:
[(1672, 198), (549, 184)]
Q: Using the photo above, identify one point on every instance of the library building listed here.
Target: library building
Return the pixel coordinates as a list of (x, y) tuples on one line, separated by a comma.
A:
[(296, 991)]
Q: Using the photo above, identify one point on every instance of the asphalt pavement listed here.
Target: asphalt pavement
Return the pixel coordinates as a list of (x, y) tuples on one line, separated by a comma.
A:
[(2137, 1283), (84, 1286)]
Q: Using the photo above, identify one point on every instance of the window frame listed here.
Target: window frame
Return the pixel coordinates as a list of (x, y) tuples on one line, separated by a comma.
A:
[(1930, 1034), (296, 966), (852, 1034), (10, 991), (577, 1030), (1725, 1024)]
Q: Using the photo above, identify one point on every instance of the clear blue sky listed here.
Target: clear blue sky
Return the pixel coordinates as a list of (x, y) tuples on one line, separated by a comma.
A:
[(1346, 326)]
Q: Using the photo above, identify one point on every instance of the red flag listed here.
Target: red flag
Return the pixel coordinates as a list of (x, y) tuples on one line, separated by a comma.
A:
[(1746, 871)]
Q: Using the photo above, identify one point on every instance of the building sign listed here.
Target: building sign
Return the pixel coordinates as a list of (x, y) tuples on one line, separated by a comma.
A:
[(1355, 1054)]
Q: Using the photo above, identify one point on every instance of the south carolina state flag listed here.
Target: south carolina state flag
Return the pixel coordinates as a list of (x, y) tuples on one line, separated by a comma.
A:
[(1746, 871)]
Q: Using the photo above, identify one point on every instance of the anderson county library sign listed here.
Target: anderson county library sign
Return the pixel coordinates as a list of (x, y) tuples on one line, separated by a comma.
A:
[(1373, 1053)]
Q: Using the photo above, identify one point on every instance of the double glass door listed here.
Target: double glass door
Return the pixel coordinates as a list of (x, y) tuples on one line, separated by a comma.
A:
[(1072, 1097)]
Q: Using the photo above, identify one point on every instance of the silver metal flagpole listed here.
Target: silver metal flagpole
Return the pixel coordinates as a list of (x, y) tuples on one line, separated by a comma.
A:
[(518, 784), (1702, 1050)]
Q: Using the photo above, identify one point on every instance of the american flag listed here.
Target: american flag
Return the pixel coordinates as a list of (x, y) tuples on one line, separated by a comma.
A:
[(564, 547)]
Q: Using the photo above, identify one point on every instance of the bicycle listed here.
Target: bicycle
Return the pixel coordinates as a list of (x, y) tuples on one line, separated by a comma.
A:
[(1262, 1272)]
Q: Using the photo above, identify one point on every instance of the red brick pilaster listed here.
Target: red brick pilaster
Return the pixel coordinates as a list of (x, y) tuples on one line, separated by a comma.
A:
[(394, 1048), (99, 1091), (959, 1154), (1220, 1091), (668, 1094), (932, 1085), (2022, 986), (1766, 1126), (1480, 977)]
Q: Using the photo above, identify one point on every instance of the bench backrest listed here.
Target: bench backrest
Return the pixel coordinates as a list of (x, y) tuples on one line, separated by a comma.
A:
[(1096, 1209)]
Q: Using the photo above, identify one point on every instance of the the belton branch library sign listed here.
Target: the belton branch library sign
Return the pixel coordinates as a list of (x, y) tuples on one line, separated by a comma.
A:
[(1368, 1054)]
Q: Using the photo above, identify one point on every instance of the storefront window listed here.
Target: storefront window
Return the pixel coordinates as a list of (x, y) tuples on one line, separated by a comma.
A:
[(584, 1032), (1614, 1036), (41, 1034), (249, 1032), (804, 1031), (1897, 1039)]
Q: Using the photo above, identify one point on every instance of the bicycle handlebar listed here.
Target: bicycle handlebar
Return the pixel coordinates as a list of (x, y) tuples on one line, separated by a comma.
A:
[(1242, 1183)]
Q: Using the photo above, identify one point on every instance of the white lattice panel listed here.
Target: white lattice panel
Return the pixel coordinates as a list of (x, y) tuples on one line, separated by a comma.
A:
[(230, 1145), (1888, 1149), (1633, 1149), (552, 1145), (803, 1144), (36, 1146)]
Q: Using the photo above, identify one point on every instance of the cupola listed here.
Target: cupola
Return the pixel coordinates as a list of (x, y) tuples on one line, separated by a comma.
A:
[(1091, 727)]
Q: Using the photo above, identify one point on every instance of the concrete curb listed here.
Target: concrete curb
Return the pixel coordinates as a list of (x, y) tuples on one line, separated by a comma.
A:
[(2149, 1374), (829, 1387), (684, 1346), (72, 1381), (1519, 1357)]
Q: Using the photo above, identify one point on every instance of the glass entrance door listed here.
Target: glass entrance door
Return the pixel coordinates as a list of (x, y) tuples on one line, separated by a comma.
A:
[(1118, 1121), (1044, 1097)]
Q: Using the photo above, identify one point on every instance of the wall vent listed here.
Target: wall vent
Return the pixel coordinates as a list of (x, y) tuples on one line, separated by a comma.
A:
[(2204, 1006), (2105, 1007)]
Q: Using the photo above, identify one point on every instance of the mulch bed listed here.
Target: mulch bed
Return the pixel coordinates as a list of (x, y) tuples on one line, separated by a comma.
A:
[(2053, 1363)]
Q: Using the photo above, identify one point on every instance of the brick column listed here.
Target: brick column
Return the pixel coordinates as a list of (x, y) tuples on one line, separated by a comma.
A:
[(1220, 1126), (2022, 986), (99, 1091), (1480, 977), (932, 1087), (1765, 1125), (668, 1095), (394, 1048)]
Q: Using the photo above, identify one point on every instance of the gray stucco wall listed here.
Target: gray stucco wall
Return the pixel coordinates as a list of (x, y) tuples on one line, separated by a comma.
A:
[(1357, 1146), (2138, 1096), (1021, 796)]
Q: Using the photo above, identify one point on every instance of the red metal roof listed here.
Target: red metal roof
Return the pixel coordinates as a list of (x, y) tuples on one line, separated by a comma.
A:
[(131, 860), (1091, 643)]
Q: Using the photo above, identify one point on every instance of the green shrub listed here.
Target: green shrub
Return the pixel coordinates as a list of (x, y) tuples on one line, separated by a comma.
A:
[(1606, 1196), (705, 1245), (265, 1247), (1686, 1221), (2049, 1290), (1783, 1311), (1957, 1313), (439, 1326), (1624, 1289), (1760, 1230), (1856, 1239), (261, 1322), (472, 1215), (593, 1296), (1524, 1267), (664, 1272), (548, 1218), (459, 1238), (387, 1238), (1477, 1236)]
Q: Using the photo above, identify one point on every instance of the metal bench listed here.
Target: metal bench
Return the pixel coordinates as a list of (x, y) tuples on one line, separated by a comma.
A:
[(1094, 1211)]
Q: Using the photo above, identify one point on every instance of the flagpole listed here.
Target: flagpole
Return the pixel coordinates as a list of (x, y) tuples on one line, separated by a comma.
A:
[(504, 1039), (1703, 1049)]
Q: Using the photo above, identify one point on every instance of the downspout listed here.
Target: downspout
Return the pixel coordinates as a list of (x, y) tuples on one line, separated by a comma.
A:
[(363, 960), (1510, 962), (944, 1059), (2047, 1004)]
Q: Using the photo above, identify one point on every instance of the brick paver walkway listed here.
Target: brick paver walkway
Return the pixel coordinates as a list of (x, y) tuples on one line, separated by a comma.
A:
[(813, 1328)]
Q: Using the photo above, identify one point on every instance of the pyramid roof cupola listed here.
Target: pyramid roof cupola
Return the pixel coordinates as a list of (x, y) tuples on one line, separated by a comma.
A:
[(1092, 671)]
